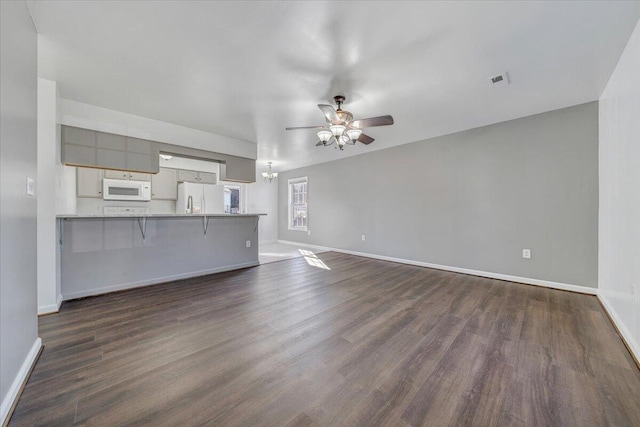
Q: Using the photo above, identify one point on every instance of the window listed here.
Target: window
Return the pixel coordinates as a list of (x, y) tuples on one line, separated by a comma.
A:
[(232, 199), (298, 199)]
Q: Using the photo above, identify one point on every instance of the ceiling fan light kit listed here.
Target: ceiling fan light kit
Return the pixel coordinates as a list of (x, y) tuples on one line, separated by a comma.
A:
[(342, 128)]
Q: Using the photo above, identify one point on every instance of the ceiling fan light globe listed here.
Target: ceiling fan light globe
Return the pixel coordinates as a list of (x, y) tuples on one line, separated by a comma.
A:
[(324, 136), (342, 141), (354, 134), (337, 130)]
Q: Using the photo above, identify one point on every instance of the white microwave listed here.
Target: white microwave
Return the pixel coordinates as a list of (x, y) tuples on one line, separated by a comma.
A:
[(122, 189)]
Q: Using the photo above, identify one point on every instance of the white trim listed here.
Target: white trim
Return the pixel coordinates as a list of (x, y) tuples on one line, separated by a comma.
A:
[(155, 281), (290, 182), (624, 332), (509, 278), (267, 242), (19, 380), (52, 308)]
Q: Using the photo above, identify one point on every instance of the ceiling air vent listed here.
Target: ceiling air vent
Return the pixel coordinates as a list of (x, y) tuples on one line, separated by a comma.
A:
[(500, 79)]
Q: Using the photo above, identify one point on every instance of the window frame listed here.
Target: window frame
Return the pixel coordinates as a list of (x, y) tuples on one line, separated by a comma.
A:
[(290, 184), (241, 195)]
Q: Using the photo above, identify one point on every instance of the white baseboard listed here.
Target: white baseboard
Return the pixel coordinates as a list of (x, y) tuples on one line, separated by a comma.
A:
[(623, 331), (50, 309), (509, 278), (155, 281), (267, 242), (11, 396)]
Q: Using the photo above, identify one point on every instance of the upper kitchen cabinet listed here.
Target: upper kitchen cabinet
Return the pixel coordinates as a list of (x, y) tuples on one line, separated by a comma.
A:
[(134, 176), (142, 155), (85, 147), (207, 178), (238, 169), (89, 182), (164, 185), (198, 177)]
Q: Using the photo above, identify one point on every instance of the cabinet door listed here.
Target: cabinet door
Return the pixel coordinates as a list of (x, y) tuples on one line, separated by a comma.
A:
[(113, 174), (111, 159), (164, 185), (111, 141), (187, 176), (89, 182), (78, 136), (139, 176), (238, 169), (206, 178)]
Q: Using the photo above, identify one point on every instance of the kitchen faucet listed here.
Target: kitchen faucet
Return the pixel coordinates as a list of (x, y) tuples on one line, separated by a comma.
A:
[(190, 205)]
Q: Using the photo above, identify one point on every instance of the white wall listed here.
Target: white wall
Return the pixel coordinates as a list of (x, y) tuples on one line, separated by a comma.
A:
[(619, 225), (88, 116), (263, 198), (49, 197), (19, 342)]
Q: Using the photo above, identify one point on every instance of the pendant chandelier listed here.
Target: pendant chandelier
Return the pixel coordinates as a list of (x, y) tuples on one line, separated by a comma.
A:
[(269, 177)]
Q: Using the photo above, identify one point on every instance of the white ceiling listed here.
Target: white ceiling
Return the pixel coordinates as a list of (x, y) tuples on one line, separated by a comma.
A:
[(250, 69)]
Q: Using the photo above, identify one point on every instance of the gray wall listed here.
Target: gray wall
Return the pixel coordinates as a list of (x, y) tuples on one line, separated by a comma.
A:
[(102, 255), (18, 305), (471, 200)]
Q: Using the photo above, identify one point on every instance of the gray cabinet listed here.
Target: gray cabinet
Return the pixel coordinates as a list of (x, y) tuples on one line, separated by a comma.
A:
[(164, 185), (187, 176), (114, 174), (89, 182), (206, 178), (134, 176), (194, 176), (238, 169), (139, 176), (85, 147)]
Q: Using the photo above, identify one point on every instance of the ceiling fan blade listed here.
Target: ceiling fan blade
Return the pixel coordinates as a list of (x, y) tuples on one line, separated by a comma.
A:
[(319, 143), (304, 127), (365, 139), (372, 121), (329, 112)]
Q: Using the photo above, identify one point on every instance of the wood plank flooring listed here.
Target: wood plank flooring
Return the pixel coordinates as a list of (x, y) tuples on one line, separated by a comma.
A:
[(365, 342)]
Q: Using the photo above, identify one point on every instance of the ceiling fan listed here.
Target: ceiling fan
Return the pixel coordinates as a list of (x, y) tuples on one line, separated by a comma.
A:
[(341, 128)]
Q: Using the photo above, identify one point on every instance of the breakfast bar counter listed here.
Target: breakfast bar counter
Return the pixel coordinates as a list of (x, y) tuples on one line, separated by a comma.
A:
[(106, 253)]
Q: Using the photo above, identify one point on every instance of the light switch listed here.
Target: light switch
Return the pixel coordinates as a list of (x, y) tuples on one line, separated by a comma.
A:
[(31, 187)]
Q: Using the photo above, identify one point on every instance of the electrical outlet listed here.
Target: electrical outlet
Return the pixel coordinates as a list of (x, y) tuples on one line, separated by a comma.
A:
[(248, 243), (526, 253), (364, 237), (308, 232)]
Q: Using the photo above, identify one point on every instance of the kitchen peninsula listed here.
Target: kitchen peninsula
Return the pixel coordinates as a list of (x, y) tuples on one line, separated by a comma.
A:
[(106, 253)]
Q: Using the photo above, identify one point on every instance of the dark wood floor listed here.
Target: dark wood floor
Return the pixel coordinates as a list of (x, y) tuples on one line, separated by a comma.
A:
[(365, 343)]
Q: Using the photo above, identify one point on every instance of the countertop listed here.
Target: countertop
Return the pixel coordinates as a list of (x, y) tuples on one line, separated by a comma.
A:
[(198, 215)]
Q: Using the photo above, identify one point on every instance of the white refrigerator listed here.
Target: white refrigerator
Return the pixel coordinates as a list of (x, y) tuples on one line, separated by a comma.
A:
[(206, 198)]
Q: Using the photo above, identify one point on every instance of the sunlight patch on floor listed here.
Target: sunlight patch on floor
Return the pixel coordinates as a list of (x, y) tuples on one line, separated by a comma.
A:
[(313, 260)]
